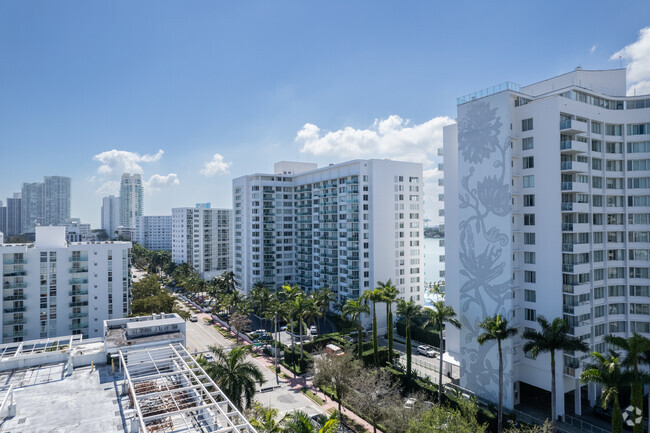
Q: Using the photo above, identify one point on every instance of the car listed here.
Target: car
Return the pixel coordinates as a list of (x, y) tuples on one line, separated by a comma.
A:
[(208, 357), (260, 331), (427, 351), (410, 403), (283, 328), (193, 318), (313, 331)]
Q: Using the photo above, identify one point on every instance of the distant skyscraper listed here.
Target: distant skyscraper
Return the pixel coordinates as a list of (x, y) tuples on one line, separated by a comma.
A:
[(14, 212), (3, 218), (32, 206), (57, 200), (130, 199), (110, 215)]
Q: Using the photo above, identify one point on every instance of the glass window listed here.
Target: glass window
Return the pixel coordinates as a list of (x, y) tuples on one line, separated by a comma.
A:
[(527, 143), (527, 124), (529, 181)]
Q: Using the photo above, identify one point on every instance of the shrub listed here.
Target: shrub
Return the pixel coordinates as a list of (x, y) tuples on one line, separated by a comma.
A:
[(418, 334), (368, 357)]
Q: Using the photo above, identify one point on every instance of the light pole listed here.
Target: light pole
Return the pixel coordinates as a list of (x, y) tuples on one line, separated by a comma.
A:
[(275, 317)]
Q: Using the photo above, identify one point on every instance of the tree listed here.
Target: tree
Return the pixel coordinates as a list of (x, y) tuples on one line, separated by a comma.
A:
[(635, 348), (374, 393), (323, 298), (442, 419), (496, 328), (337, 371), (234, 374), (183, 313), (390, 294), (240, 322), (261, 298), (286, 297), (303, 307), (300, 422), (149, 298), (374, 296), (264, 419), (354, 308), (552, 337), (409, 310), (607, 371)]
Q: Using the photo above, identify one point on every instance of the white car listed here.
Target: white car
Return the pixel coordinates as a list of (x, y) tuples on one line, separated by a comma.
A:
[(313, 331), (427, 351), (194, 318)]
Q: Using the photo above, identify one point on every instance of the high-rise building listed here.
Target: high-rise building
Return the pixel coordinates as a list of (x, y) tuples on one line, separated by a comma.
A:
[(202, 237), (3, 218), (345, 227), (110, 215), (154, 232), (54, 288), (14, 212), (547, 209), (131, 205), (57, 200), (32, 206)]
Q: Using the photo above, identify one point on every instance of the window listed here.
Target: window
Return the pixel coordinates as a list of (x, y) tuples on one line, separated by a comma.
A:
[(527, 143), (530, 277), (639, 129), (529, 200), (638, 147), (529, 219), (529, 181), (529, 257), (598, 199), (530, 295), (599, 311), (638, 164), (596, 182), (529, 238), (638, 182), (614, 147), (596, 145), (596, 163), (530, 314), (596, 127), (614, 129), (529, 161), (639, 290), (599, 292), (616, 290), (527, 124)]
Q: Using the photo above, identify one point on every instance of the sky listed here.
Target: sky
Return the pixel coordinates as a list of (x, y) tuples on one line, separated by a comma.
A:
[(192, 94)]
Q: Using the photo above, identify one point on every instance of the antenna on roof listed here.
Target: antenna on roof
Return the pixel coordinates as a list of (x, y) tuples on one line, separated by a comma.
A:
[(620, 61)]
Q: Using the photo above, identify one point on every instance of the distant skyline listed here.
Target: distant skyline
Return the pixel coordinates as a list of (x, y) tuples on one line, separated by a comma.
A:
[(193, 94)]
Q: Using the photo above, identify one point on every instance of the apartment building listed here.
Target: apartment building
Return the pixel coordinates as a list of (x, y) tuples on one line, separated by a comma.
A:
[(547, 209), (110, 215), (32, 206), (131, 199), (154, 232), (14, 219), (202, 237), (54, 288), (57, 200), (344, 226)]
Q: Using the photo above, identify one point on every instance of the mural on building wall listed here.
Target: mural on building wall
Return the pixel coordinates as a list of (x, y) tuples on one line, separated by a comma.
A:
[(484, 244)]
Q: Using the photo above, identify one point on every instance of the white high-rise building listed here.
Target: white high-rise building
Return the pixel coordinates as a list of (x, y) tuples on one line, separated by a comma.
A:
[(345, 227), (131, 205), (154, 232), (202, 237), (54, 288), (547, 209), (110, 215)]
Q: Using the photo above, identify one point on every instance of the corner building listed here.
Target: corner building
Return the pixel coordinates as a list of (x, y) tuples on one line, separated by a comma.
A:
[(345, 227), (547, 213)]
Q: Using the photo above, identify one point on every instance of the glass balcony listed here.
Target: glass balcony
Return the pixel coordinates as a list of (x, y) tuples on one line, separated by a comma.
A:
[(15, 310), (14, 261), (78, 281), (77, 315), (78, 259), (14, 321), (15, 298), (572, 126)]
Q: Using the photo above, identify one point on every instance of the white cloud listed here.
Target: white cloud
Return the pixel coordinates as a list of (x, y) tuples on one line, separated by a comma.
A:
[(157, 182), (108, 188), (392, 138), (638, 67), (593, 48), (121, 161), (216, 166)]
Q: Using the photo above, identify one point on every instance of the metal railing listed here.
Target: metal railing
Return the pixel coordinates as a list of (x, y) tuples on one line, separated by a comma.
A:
[(582, 425)]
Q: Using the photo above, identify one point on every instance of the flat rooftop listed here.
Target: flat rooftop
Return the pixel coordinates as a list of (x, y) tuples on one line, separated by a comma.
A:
[(48, 401)]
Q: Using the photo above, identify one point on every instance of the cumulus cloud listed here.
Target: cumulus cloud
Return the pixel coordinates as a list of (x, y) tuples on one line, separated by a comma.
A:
[(216, 166), (392, 138), (158, 181), (638, 66)]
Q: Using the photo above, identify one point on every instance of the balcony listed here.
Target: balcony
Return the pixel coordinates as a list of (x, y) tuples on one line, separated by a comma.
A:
[(15, 310), (573, 146), (78, 304), (15, 298), (78, 281), (76, 326), (78, 292), (20, 321), (77, 315), (78, 259), (15, 261), (573, 126), (14, 334), (15, 286), (15, 273), (78, 270), (574, 167), (575, 187)]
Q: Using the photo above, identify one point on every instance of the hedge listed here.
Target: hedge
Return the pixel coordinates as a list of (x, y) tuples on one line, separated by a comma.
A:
[(302, 365), (368, 357), (418, 334)]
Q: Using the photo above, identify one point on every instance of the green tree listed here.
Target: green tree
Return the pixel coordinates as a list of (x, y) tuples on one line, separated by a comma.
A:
[(496, 329), (635, 348), (409, 310), (337, 371), (300, 422), (443, 419), (374, 296), (303, 307), (234, 374), (607, 371), (552, 337), (148, 297), (264, 419), (323, 298), (438, 316), (286, 296), (354, 308), (389, 295)]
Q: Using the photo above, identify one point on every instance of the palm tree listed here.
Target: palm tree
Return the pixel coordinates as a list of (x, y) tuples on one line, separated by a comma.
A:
[(323, 299), (390, 294), (264, 421), (607, 372), (409, 310), (303, 307), (234, 375), (438, 316), (286, 297), (261, 299), (300, 422), (553, 336), (354, 308), (496, 328), (635, 348), (374, 296)]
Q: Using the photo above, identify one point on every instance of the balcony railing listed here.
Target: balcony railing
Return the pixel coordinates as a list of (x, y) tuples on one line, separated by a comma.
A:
[(15, 310)]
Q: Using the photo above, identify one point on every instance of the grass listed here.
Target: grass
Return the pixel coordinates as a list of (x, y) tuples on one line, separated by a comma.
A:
[(312, 396)]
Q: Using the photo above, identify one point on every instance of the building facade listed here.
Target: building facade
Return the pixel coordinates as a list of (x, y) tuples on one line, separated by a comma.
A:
[(32, 206), (547, 208), (202, 237), (57, 200), (345, 227), (14, 212), (131, 199), (3, 218), (154, 232), (53, 288), (110, 215)]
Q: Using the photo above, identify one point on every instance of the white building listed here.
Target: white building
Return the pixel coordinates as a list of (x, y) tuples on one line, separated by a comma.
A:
[(154, 232), (202, 237), (131, 204), (110, 215), (52, 288), (345, 226), (76, 231), (32, 206), (547, 208), (57, 200)]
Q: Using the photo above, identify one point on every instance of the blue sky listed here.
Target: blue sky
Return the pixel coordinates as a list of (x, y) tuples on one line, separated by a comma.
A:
[(88, 89)]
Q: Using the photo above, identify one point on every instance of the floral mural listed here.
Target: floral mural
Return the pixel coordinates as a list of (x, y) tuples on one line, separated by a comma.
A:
[(485, 203)]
